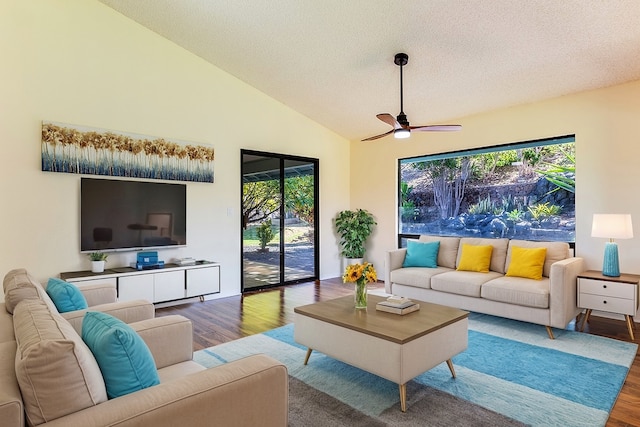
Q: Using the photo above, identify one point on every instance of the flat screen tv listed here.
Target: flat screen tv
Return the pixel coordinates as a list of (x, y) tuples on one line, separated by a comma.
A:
[(130, 215)]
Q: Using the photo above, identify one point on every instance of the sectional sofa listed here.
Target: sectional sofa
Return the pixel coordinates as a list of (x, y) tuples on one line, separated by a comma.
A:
[(549, 300), (48, 375)]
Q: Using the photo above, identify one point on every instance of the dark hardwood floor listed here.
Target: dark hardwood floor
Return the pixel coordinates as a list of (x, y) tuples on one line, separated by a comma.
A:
[(227, 319)]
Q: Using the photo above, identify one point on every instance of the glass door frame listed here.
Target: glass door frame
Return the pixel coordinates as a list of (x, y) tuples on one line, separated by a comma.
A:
[(282, 158)]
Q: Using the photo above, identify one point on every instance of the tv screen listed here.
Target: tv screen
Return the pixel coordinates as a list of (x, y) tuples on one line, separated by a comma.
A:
[(121, 215)]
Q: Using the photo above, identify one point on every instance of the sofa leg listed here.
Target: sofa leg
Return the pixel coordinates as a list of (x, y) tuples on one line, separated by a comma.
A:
[(550, 332)]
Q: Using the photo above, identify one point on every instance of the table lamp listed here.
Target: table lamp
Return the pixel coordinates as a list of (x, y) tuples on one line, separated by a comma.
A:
[(611, 226)]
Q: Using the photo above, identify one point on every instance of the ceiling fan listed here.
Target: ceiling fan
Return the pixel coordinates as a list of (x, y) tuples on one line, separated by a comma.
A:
[(400, 124)]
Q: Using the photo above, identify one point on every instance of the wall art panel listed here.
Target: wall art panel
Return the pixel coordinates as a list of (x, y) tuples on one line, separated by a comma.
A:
[(84, 150)]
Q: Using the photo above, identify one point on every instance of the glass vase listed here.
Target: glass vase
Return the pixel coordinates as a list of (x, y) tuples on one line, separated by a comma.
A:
[(361, 295)]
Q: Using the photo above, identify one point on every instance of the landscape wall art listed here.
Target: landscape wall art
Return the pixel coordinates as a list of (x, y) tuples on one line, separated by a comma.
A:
[(84, 150)]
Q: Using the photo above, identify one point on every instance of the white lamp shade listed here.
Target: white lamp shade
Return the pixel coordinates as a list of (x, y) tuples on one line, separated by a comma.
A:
[(612, 226)]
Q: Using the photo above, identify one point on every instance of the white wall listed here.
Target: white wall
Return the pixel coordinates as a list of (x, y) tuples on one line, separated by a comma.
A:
[(80, 62), (605, 123)]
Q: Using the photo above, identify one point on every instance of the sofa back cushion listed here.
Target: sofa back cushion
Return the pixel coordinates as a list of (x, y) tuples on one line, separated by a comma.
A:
[(56, 371), (19, 285), (498, 255), (448, 251), (556, 251)]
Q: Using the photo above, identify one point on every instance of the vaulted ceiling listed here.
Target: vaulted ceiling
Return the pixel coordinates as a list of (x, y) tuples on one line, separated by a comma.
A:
[(332, 60)]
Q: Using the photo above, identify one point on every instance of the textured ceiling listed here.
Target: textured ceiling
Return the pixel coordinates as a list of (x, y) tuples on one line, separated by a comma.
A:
[(332, 60)]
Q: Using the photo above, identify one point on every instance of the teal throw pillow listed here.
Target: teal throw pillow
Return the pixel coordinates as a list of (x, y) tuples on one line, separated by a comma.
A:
[(421, 254), (65, 296), (124, 359)]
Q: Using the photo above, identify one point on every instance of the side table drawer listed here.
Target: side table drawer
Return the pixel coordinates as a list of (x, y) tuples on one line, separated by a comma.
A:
[(605, 288), (606, 303)]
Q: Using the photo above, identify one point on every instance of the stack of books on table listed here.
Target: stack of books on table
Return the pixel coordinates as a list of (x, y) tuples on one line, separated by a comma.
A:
[(397, 305)]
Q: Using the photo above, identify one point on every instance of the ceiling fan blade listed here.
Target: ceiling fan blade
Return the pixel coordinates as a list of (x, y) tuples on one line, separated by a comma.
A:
[(436, 128), (389, 119), (371, 138)]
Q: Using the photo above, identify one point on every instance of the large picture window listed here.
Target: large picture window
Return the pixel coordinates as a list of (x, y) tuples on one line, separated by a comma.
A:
[(523, 190)]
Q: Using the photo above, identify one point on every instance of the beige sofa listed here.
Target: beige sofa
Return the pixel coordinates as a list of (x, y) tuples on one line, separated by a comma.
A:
[(550, 301), (48, 375)]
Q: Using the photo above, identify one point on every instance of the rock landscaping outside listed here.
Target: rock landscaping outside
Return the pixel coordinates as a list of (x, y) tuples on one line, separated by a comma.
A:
[(511, 194)]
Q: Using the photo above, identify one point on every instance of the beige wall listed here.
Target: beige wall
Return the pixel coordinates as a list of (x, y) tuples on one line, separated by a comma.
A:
[(606, 125), (80, 62)]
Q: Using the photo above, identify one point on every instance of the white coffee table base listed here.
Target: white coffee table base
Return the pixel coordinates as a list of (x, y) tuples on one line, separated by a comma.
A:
[(390, 360)]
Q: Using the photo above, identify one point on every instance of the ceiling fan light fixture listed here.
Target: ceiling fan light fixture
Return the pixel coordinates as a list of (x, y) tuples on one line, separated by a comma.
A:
[(401, 133)]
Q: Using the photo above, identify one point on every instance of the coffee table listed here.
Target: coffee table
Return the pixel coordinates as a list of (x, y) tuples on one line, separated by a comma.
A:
[(395, 347)]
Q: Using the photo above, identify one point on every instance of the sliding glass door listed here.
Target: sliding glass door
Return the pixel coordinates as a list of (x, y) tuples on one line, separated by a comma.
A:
[(279, 235)]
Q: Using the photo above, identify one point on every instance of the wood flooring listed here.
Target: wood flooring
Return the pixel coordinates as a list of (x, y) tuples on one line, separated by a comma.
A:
[(227, 319)]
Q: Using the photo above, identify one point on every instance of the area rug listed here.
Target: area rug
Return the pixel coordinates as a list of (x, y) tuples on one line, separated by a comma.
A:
[(511, 374)]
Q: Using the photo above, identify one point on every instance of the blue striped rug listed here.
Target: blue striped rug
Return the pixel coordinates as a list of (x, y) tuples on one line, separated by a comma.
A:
[(511, 368)]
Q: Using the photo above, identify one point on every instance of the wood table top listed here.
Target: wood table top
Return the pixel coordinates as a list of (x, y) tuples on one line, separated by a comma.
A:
[(389, 326), (623, 278)]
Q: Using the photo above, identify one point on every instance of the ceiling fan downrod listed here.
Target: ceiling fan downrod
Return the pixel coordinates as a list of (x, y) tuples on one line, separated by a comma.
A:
[(401, 60)]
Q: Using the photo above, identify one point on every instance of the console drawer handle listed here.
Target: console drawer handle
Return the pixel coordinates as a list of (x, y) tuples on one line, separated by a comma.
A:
[(604, 286), (605, 301)]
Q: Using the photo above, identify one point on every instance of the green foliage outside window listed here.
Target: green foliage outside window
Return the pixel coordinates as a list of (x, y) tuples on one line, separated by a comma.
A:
[(516, 188), (265, 233)]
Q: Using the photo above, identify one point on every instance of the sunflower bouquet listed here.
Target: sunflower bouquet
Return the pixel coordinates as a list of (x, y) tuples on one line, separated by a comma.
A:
[(361, 275)]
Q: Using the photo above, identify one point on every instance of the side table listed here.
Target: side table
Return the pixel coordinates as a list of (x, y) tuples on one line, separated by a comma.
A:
[(611, 294)]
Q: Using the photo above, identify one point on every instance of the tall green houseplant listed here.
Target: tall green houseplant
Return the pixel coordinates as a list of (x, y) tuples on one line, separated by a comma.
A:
[(354, 227)]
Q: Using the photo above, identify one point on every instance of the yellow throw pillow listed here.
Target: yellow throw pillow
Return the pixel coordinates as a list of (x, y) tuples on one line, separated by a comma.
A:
[(527, 262), (475, 258)]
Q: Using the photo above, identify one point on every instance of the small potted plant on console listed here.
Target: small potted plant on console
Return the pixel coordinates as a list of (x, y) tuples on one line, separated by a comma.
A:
[(98, 260)]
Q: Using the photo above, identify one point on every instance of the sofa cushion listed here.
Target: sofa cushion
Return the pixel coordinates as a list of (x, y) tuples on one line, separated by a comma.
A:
[(462, 282), (421, 254), (475, 258), (6, 325), (125, 360), (65, 296), (179, 370), (526, 262), (448, 251), (11, 408), (56, 371), (18, 285), (498, 256), (519, 291), (416, 276), (556, 251)]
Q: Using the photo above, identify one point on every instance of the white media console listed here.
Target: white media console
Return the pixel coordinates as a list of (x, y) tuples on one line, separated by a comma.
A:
[(170, 283)]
